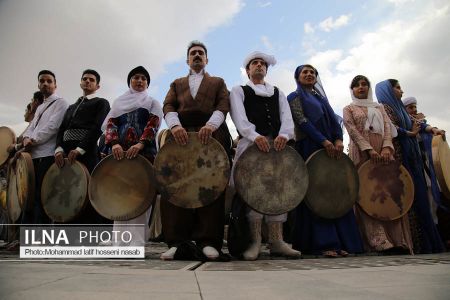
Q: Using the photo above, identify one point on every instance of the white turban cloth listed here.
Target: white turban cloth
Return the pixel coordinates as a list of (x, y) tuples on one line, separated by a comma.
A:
[(409, 100), (269, 59)]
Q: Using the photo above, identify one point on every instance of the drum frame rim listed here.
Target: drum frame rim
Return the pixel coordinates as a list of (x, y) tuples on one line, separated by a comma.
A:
[(164, 192), (436, 146), (24, 156), (355, 173), (85, 199), (410, 180), (13, 140), (136, 212), (12, 172), (236, 164)]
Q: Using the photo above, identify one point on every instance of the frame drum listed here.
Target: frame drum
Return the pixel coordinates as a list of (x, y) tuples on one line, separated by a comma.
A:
[(386, 192), (441, 162), (7, 137), (193, 175), (333, 185), (64, 191), (271, 183), (121, 190)]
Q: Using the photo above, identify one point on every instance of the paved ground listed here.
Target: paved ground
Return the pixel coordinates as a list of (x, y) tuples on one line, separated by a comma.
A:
[(357, 277)]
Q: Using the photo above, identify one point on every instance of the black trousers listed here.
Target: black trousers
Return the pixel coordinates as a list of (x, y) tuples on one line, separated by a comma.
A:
[(203, 225)]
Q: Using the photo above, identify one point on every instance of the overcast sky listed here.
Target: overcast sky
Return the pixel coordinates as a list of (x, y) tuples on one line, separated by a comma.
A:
[(403, 39)]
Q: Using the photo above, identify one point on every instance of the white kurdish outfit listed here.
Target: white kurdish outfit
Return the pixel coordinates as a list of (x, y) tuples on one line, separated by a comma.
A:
[(44, 127), (248, 129)]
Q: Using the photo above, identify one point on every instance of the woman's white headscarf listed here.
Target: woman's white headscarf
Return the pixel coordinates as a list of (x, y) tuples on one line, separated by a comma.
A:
[(375, 122), (130, 101)]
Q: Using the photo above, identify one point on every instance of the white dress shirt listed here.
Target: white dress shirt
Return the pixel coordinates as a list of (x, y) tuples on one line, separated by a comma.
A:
[(44, 132)]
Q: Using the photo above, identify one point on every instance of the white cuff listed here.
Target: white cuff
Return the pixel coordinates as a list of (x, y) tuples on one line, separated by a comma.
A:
[(59, 149), (81, 150), (286, 136), (252, 137), (216, 119), (172, 119)]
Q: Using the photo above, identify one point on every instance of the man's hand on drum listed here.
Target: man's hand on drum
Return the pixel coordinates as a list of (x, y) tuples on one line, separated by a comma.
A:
[(262, 143), (133, 151), (117, 152), (338, 148), (329, 147), (279, 143), (205, 133), (386, 155), (180, 134), (59, 159), (73, 154)]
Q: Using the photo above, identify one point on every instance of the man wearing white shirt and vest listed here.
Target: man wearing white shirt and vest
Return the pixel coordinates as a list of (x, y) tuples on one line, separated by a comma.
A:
[(40, 139), (261, 111), (197, 102)]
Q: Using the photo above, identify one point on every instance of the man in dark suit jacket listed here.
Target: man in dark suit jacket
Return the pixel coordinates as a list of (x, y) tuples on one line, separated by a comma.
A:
[(197, 102), (80, 129)]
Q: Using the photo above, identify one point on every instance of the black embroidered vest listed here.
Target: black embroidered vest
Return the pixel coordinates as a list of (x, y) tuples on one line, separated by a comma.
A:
[(263, 112)]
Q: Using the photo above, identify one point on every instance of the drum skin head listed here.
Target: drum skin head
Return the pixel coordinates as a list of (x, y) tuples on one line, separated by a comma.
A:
[(7, 137), (64, 191), (441, 163), (12, 201), (121, 190), (193, 175), (271, 183), (333, 185), (25, 180), (386, 192)]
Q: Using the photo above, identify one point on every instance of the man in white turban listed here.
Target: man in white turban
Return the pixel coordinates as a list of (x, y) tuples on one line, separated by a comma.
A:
[(261, 111)]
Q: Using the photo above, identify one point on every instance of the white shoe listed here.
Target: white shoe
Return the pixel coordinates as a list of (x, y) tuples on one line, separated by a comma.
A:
[(169, 254), (210, 252)]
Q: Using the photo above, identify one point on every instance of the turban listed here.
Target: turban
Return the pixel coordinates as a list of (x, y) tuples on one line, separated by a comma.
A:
[(269, 59), (409, 100)]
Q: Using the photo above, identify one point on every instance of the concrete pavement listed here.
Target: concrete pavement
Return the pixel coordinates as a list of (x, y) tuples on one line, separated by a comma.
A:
[(360, 277)]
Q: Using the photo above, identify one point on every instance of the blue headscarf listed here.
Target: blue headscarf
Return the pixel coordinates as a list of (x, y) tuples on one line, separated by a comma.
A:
[(311, 106), (315, 104), (385, 95)]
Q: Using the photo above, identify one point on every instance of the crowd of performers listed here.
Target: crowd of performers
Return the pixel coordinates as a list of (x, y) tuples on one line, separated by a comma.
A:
[(390, 130)]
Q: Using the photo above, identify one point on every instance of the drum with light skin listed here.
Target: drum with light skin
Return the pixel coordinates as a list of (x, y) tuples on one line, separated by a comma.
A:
[(441, 163), (271, 183), (192, 175), (7, 137), (64, 192), (124, 189), (386, 191)]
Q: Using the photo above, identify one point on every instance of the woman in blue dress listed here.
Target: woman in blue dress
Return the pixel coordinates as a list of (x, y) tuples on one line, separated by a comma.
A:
[(426, 238), (317, 127)]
